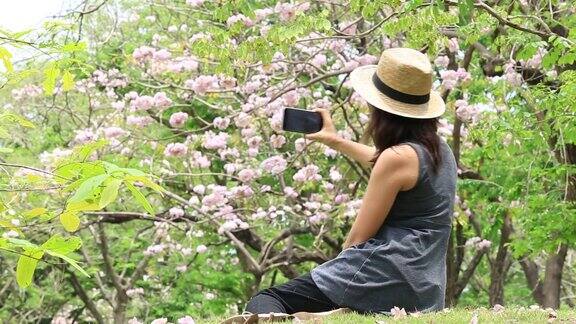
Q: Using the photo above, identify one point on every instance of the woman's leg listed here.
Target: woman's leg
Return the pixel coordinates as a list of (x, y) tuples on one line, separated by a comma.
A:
[(297, 295)]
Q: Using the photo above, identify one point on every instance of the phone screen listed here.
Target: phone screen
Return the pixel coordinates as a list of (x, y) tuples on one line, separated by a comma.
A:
[(301, 121)]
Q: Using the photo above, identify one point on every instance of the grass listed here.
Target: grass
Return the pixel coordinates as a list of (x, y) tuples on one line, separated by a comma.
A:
[(455, 315)]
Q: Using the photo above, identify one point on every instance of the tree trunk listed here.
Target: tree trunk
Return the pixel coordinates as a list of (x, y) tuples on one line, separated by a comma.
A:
[(451, 274), (501, 265), (553, 278), (120, 309)]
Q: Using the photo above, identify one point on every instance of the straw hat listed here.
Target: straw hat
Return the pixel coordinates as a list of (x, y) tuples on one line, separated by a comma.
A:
[(400, 84)]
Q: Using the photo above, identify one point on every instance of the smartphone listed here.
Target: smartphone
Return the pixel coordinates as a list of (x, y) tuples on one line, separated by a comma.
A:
[(301, 121)]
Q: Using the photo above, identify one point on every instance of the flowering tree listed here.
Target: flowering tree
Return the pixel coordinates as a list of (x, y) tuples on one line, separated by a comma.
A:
[(193, 93)]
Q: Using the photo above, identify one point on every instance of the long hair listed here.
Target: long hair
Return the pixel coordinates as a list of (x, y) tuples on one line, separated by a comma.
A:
[(388, 129)]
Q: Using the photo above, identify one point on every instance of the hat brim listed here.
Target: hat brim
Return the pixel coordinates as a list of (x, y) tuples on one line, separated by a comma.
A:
[(361, 81)]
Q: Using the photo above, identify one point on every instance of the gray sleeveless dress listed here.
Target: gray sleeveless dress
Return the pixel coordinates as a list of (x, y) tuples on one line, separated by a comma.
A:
[(404, 264)]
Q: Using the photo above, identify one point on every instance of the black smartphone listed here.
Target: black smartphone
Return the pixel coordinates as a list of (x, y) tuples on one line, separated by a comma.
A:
[(301, 121)]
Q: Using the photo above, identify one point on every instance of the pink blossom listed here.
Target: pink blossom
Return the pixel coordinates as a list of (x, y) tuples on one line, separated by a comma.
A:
[(347, 27), (483, 245), (214, 199), (307, 173), (277, 141), (286, 11), (221, 123), (215, 141), (337, 45), (181, 268), (202, 84), (118, 105), (301, 143), (536, 60), (453, 45), (398, 312), (290, 192), (442, 61), (161, 100), (254, 141), (317, 218), (139, 121), (227, 82), (154, 249), (161, 55), (497, 308), (291, 98), (199, 189), (178, 119), (247, 175), (176, 212), (449, 79), (134, 292), (84, 136), (463, 75), (335, 175), (330, 152), (251, 86), (239, 18), (262, 13), (367, 59), (175, 149), (162, 320), (142, 103), (143, 53), (185, 320), (113, 132), (201, 248), (195, 3), (341, 198), (134, 320), (242, 191), (466, 112), (318, 60), (275, 164)]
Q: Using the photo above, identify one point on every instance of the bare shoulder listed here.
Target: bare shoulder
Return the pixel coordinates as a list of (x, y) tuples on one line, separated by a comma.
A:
[(401, 161)]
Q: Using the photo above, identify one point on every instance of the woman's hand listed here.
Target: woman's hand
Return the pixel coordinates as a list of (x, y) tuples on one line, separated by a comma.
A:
[(327, 135)]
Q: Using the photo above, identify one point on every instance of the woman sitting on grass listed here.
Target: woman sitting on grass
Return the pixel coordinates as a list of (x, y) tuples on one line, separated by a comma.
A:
[(395, 253)]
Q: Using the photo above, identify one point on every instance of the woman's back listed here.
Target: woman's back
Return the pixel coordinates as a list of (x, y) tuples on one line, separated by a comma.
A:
[(404, 264)]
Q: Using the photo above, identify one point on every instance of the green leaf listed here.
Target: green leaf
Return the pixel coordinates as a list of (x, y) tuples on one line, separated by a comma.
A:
[(110, 192), (88, 187), (58, 244), (85, 150), (147, 182), (140, 198), (82, 206), (70, 220), (22, 243), (6, 58), (26, 266), (10, 226), (6, 150), (51, 74), (70, 261), (35, 212), (67, 81)]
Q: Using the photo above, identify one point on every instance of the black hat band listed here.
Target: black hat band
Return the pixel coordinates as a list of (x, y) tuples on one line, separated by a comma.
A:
[(397, 95)]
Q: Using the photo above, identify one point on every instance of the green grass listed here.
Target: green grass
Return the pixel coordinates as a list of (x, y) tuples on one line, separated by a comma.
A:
[(454, 315)]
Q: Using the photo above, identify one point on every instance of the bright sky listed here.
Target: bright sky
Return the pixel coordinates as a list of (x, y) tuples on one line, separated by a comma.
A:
[(17, 15), (20, 15)]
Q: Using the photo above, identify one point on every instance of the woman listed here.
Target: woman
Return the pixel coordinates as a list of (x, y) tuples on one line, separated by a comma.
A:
[(395, 253)]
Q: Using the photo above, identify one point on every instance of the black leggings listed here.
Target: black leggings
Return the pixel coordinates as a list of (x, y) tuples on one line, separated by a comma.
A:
[(297, 295)]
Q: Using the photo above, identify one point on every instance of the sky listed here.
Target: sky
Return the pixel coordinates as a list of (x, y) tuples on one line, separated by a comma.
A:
[(17, 15), (20, 15)]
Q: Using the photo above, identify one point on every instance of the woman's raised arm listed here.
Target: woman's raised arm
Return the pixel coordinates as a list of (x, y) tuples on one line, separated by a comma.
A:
[(329, 136)]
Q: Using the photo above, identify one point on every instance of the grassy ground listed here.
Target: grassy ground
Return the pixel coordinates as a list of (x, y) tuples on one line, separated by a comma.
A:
[(456, 315)]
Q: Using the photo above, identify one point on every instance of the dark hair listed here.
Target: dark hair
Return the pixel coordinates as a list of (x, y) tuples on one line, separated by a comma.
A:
[(388, 129)]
